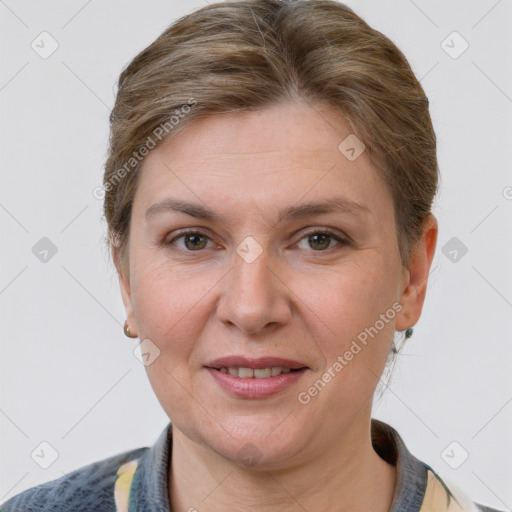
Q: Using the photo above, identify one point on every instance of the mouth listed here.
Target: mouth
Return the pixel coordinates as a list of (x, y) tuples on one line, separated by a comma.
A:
[(256, 373), (255, 378)]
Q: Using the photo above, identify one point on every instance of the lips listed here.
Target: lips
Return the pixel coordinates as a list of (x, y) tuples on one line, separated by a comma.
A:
[(256, 365), (255, 378)]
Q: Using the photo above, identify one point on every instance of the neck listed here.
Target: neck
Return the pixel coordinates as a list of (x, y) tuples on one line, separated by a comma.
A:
[(347, 477)]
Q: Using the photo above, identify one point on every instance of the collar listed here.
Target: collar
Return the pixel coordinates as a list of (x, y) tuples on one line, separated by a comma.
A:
[(145, 480), (149, 487), (411, 473)]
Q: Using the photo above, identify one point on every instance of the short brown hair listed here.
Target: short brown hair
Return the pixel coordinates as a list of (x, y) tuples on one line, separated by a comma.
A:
[(249, 54)]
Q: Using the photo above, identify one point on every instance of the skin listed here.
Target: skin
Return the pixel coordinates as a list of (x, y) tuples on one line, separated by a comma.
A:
[(301, 299)]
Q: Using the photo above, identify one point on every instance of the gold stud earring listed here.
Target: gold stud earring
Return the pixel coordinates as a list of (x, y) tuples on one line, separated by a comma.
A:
[(127, 331)]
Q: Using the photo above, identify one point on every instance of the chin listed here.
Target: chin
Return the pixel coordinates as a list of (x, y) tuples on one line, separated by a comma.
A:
[(256, 457), (257, 444)]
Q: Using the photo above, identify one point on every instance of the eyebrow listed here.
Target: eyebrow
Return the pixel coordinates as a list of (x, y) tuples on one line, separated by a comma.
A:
[(330, 205)]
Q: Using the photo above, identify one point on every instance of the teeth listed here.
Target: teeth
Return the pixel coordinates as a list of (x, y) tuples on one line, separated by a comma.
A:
[(262, 373), (245, 373), (257, 373)]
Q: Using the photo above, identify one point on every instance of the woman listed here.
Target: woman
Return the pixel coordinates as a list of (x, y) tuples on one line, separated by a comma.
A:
[(268, 195)]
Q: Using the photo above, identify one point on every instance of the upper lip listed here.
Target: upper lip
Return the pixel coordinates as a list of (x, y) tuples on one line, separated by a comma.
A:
[(260, 362)]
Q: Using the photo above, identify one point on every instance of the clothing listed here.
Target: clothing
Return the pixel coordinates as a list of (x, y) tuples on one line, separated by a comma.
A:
[(137, 481)]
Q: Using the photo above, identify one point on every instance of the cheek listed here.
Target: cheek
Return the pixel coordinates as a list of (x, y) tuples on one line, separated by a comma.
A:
[(350, 300), (167, 303), (354, 321), (168, 311)]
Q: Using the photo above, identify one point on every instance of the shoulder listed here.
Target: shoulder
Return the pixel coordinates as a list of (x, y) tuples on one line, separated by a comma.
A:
[(443, 495), (90, 487)]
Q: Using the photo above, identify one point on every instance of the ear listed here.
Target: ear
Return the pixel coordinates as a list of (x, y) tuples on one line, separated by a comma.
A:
[(126, 294), (415, 278)]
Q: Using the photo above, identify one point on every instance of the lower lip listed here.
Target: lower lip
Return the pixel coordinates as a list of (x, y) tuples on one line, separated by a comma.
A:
[(255, 388)]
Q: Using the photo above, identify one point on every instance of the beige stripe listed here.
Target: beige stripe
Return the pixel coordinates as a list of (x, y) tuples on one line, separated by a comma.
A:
[(436, 497), (123, 483)]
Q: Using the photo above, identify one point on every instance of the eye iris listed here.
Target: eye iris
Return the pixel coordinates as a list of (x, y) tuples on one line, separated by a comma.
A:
[(194, 236), (325, 238)]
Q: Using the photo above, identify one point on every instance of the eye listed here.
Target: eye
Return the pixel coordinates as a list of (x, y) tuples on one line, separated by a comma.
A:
[(320, 239), (193, 241)]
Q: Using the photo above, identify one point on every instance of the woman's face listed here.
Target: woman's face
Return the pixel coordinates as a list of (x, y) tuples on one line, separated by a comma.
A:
[(262, 281)]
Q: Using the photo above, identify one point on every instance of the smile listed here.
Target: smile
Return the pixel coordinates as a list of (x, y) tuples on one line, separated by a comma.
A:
[(255, 373)]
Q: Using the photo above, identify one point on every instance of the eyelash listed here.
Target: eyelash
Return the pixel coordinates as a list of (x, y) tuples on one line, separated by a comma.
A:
[(312, 231)]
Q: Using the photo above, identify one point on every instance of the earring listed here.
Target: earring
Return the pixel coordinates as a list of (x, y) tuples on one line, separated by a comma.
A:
[(127, 331), (408, 332)]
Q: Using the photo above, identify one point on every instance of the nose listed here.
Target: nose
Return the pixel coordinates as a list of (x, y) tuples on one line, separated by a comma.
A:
[(255, 297)]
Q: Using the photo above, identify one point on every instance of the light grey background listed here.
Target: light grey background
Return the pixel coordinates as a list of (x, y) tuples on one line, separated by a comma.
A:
[(69, 375)]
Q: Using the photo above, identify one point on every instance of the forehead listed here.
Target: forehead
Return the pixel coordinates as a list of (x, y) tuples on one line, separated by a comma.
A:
[(280, 155)]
